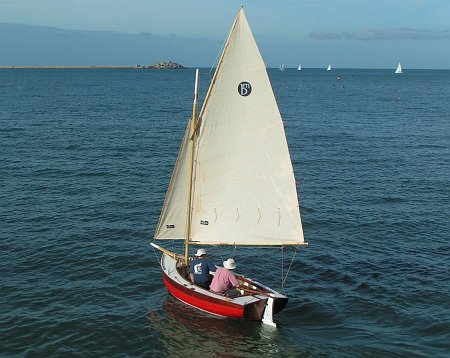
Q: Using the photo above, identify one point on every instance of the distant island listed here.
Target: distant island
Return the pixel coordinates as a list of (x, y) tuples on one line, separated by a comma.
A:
[(162, 65), (166, 65)]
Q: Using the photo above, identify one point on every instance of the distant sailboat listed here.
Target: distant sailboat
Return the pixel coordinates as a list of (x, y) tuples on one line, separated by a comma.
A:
[(329, 68), (282, 67), (299, 68), (399, 68)]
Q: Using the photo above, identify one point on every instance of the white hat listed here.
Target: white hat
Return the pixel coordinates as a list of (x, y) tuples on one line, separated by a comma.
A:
[(229, 264), (200, 252)]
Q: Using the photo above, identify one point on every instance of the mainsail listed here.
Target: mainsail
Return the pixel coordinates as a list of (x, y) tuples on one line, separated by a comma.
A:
[(243, 189)]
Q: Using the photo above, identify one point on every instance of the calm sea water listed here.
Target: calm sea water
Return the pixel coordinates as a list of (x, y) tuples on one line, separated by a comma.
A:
[(86, 156)]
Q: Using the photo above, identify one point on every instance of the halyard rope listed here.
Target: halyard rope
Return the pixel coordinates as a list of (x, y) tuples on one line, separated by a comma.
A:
[(283, 280)]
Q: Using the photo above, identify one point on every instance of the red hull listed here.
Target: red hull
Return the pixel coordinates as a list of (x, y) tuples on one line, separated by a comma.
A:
[(198, 300), (251, 305)]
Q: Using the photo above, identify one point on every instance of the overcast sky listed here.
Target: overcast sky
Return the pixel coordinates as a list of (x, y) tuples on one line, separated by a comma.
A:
[(412, 30)]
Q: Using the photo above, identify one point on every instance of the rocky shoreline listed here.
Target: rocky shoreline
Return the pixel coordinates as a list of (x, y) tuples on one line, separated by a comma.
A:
[(158, 66), (66, 67), (166, 65)]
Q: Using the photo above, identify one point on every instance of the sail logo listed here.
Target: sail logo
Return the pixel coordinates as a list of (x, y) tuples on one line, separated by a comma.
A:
[(244, 89)]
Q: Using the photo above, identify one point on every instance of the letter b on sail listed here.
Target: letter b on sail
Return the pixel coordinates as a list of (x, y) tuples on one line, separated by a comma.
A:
[(244, 89)]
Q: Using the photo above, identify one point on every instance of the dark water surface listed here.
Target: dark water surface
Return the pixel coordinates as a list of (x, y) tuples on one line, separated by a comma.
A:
[(86, 156)]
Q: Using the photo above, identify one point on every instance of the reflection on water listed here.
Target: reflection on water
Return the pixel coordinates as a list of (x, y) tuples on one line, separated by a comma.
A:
[(182, 329)]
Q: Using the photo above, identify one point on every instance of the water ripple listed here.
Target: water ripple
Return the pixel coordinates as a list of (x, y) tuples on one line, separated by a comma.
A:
[(86, 159)]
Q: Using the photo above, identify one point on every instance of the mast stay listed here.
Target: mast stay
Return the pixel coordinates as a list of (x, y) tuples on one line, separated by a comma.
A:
[(191, 169)]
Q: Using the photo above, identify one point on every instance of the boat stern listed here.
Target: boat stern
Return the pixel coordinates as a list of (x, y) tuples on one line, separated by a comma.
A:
[(255, 311)]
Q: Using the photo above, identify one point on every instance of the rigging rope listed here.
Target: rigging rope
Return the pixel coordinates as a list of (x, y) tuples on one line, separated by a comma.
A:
[(216, 60), (234, 250), (156, 255), (232, 255), (283, 280)]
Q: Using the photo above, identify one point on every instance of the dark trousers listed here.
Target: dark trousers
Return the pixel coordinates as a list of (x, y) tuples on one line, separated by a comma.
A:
[(204, 285)]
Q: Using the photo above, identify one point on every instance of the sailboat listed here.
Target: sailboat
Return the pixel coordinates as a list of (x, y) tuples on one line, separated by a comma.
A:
[(282, 68), (399, 68), (233, 182), (299, 68), (329, 68)]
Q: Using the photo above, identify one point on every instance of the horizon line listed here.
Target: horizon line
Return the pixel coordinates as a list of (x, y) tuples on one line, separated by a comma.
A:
[(136, 67)]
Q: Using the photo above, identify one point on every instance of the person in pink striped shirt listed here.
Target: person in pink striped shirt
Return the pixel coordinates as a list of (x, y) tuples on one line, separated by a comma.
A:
[(224, 281)]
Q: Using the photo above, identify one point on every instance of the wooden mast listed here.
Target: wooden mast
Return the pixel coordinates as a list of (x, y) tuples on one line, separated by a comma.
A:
[(192, 131), (191, 169)]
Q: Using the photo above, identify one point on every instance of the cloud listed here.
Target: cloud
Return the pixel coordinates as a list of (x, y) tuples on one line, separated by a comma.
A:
[(388, 34), (324, 35)]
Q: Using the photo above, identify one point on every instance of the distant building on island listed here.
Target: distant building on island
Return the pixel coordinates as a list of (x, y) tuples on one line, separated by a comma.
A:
[(166, 65)]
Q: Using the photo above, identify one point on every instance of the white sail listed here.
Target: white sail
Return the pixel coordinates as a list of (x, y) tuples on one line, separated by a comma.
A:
[(399, 68), (282, 68), (244, 187), (172, 222), (299, 68), (329, 68)]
